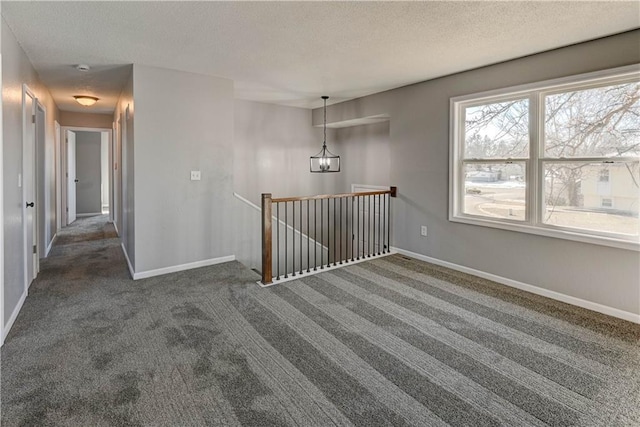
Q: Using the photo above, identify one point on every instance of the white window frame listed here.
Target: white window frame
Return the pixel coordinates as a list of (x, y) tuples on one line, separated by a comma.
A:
[(534, 164)]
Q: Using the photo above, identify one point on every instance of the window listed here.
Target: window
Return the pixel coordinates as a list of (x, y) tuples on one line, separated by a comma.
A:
[(549, 158), (604, 175)]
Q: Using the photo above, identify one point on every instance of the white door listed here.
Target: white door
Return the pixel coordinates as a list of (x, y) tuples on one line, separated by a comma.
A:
[(29, 188), (71, 177)]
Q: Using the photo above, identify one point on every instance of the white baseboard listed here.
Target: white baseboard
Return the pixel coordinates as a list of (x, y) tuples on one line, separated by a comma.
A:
[(14, 316), (126, 256), (614, 312), (46, 252), (115, 225), (83, 215), (182, 267)]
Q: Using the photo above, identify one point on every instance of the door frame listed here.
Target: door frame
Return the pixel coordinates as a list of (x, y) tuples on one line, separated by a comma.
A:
[(27, 248), (112, 165), (63, 203), (58, 166), (72, 178), (1, 220), (41, 174), (117, 173)]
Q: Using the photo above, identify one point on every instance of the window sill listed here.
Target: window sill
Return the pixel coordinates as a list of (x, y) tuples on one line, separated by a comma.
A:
[(548, 231)]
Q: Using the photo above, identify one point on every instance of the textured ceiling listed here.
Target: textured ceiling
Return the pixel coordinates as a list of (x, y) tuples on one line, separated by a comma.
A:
[(292, 52)]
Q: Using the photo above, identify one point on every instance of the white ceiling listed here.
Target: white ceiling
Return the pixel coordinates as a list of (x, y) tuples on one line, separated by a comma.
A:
[(290, 53)]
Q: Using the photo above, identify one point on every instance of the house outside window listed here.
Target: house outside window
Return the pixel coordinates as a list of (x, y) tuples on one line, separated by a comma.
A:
[(547, 158)]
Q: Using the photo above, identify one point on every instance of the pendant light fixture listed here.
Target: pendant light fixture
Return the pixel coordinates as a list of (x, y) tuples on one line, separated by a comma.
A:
[(325, 160)]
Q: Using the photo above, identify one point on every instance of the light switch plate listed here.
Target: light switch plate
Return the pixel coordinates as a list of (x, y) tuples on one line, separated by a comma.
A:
[(195, 175)]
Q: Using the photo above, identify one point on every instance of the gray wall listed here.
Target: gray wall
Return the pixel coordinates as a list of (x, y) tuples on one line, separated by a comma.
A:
[(125, 98), (272, 146), (419, 135), (16, 70), (365, 156), (87, 120), (124, 177), (183, 122), (88, 172)]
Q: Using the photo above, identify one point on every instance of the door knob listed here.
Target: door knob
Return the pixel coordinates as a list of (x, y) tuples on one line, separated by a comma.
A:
[(75, 180), (30, 205)]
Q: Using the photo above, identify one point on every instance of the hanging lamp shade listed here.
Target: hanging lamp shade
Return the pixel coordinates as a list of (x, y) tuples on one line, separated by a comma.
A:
[(325, 160)]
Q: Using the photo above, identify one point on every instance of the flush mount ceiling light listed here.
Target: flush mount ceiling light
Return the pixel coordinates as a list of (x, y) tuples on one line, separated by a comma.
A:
[(325, 160), (86, 100)]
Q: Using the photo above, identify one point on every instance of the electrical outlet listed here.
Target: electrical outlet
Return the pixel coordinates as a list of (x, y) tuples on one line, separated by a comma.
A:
[(195, 175), (423, 231)]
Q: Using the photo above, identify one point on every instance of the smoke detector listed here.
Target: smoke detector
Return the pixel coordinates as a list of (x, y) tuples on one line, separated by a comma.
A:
[(82, 67)]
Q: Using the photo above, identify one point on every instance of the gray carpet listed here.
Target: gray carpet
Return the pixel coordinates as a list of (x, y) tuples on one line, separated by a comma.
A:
[(387, 342)]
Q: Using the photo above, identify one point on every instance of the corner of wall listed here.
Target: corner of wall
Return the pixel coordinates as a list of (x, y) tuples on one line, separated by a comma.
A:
[(17, 70)]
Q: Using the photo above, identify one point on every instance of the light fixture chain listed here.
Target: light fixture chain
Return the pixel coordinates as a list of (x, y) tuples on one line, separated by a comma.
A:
[(324, 143), (325, 161)]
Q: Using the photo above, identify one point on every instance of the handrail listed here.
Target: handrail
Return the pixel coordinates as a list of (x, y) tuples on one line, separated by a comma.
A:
[(392, 191), (372, 230)]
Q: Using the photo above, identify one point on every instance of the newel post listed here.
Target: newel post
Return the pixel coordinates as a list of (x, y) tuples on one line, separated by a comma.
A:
[(394, 191), (267, 274)]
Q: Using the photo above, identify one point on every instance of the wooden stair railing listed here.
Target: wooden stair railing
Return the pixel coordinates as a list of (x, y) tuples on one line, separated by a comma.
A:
[(348, 227)]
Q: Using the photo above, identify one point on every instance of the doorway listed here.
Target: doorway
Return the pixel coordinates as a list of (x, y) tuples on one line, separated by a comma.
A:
[(88, 155)]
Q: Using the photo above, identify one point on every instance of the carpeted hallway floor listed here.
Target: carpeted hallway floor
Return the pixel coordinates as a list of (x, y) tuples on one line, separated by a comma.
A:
[(387, 342)]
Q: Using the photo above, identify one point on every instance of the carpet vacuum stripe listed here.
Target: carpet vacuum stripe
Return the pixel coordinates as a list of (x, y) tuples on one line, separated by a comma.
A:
[(549, 313), (566, 318), (342, 390), (595, 351), (383, 390), (442, 402), (421, 362), (513, 343), (462, 352), (300, 398)]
